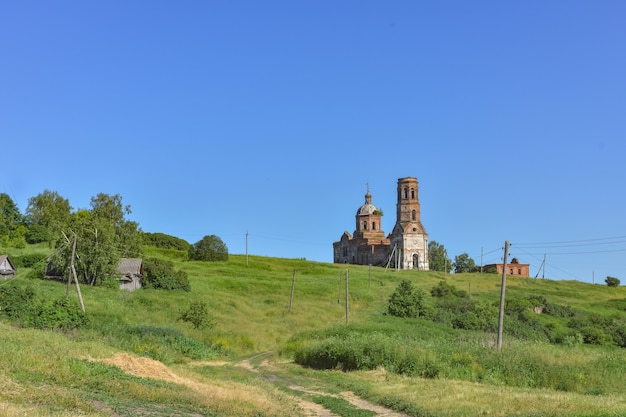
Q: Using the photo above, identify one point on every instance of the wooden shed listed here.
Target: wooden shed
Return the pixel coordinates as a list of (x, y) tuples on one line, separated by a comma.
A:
[(7, 270), (131, 270)]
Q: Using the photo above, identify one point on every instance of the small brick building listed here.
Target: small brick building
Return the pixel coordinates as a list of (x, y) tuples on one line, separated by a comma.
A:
[(514, 268)]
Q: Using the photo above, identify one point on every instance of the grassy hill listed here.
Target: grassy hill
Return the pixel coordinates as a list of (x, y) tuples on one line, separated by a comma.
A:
[(135, 357)]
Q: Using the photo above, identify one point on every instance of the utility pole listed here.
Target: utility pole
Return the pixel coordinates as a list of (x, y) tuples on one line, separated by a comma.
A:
[(293, 286), (347, 296), (543, 273), (339, 294), (246, 248), (481, 259), (502, 291), (73, 274)]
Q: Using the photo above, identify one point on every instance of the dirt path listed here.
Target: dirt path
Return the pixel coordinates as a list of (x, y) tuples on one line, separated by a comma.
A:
[(318, 410), (148, 368)]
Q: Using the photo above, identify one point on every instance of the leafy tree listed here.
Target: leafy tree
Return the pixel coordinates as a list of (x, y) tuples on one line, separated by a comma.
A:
[(463, 263), (47, 214), (407, 302), (209, 248), (438, 257), (612, 281), (109, 210), (103, 237), (10, 220), (163, 241)]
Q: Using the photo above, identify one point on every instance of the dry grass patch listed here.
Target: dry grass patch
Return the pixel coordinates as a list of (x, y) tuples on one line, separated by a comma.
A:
[(222, 397)]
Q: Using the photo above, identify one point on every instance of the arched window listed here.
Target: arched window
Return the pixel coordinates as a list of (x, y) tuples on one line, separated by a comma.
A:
[(364, 225), (414, 215), (374, 226), (412, 193), (405, 193)]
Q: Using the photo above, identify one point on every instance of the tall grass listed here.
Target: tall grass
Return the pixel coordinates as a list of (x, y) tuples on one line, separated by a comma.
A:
[(384, 358)]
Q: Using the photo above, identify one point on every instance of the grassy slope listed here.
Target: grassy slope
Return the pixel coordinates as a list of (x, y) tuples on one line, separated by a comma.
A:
[(44, 373)]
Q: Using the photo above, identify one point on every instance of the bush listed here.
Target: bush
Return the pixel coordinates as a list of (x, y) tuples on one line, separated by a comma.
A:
[(405, 302), (61, 313), (612, 281), (198, 315), (160, 274), (16, 302), (443, 289), (30, 260)]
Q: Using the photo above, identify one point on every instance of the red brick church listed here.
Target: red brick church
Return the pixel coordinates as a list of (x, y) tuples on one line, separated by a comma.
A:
[(406, 247)]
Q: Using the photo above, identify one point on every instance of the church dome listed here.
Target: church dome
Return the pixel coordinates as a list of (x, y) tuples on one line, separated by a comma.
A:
[(367, 208)]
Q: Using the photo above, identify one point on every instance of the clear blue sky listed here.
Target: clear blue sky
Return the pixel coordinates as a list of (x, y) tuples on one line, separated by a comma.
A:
[(269, 117)]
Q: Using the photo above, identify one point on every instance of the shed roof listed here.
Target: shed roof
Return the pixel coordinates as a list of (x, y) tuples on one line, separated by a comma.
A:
[(130, 266), (5, 259)]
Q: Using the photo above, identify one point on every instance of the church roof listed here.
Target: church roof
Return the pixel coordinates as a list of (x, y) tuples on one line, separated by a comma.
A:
[(367, 208)]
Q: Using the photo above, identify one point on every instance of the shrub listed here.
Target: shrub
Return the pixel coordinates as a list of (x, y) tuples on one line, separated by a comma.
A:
[(16, 302), (61, 313), (612, 281), (160, 274), (406, 302), (198, 315), (29, 260), (443, 289)]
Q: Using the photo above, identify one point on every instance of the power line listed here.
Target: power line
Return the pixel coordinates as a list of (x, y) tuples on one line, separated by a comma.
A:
[(580, 242)]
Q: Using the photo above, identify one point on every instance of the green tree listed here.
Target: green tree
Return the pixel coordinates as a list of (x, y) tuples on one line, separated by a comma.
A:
[(46, 215), (407, 302), (10, 220), (438, 257), (103, 237), (612, 281), (209, 248), (463, 263)]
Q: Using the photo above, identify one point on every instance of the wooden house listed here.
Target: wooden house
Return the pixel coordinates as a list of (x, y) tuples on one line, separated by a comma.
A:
[(131, 271), (7, 270)]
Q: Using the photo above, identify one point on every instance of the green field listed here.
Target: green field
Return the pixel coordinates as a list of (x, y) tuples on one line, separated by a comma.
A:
[(135, 357)]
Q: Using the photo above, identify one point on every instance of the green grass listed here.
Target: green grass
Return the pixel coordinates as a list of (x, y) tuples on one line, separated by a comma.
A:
[(51, 373)]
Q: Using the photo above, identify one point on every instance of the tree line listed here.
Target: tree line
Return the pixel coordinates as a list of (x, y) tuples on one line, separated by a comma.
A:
[(103, 234), (438, 260)]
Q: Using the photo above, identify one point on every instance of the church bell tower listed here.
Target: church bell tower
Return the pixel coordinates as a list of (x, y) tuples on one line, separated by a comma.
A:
[(409, 240)]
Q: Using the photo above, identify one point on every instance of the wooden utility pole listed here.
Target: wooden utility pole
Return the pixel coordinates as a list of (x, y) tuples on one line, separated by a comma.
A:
[(293, 286), (246, 248), (73, 274), (347, 295), (339, 293), (481, 259), (502, 291)]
